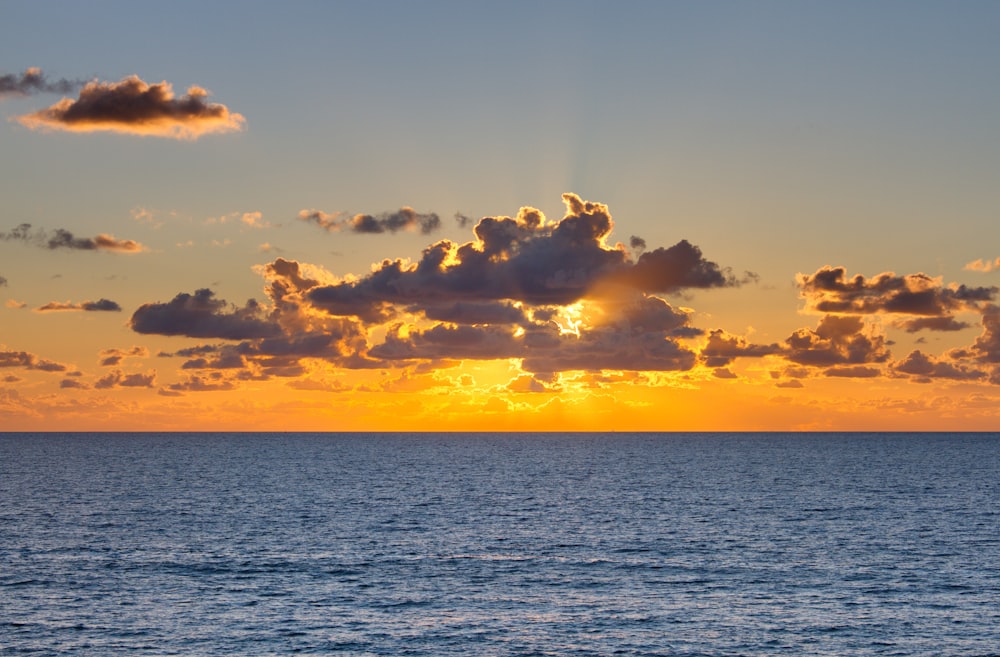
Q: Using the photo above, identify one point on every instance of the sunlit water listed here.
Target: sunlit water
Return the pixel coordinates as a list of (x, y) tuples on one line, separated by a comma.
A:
[(598, 544)]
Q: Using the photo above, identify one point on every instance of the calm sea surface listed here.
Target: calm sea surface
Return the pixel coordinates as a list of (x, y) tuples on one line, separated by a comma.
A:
[(486, 544)]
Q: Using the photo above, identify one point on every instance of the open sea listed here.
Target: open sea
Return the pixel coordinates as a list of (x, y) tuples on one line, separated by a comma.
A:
[(500, 544)]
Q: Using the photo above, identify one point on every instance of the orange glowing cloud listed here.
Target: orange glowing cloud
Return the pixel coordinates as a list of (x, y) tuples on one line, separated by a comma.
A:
[(134, 107)]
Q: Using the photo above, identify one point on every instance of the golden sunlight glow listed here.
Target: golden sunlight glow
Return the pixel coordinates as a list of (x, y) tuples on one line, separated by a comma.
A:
[(570, 319)]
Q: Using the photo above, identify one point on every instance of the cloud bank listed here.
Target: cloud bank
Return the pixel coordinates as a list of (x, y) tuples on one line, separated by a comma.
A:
[(131, 106), (555, 295), (560, 297)]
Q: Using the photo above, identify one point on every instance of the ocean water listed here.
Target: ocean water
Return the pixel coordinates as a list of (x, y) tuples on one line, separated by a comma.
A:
[(492, 544)]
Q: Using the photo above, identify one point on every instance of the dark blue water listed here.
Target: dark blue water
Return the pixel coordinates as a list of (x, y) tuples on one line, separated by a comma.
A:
[(598, 544)]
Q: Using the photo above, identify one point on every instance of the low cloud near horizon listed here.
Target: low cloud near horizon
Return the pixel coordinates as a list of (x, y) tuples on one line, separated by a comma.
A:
[(558, 297)]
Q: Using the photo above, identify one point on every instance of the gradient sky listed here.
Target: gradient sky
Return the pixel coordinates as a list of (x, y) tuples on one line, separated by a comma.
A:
[(351, 216)]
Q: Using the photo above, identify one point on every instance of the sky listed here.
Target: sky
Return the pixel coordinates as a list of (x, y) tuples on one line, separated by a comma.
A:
[(518, 216)]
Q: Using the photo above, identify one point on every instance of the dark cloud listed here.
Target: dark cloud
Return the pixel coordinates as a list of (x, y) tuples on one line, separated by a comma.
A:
[(29, 361), (3, 282), (853, 372), (101, 305), (829, 290), (201, 315), (555, 296), (116, 379), (405, 218), (201, 383), (522, 259), (113, 357), (72, 383), (132, 106), (678, 267), (471, 312), (64, 239), (986, 348), (722, 348), (272, 341), (33, 81), (544, 349), (945, 323), (227, 359), (924, 368), (637, 243), (837, 340)]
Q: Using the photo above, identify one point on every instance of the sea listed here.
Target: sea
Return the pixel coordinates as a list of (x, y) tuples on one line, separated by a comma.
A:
[(666, 544)]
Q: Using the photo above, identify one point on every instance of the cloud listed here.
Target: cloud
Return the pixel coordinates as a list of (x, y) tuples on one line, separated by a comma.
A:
[(829, 290), (722, 348), (72, 383), (15, 304), (923, 368), (946, 323), (554, 295), (3, 282), (101, 305), (64, 239), (201, 315), (527, 383), (853, 372), (112, 357), (982, 265), (522, 259), (116, 379), (986, 348), (29, 361), (199, 383), (249, 219), (405, 219), (134, 107), (837, 340), (33, 81)]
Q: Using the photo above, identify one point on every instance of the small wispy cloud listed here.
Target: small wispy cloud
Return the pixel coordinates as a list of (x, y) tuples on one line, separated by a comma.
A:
[(64, 239), (101, 305), (33, 81), (248, 219), (405, 218), (982, 265)]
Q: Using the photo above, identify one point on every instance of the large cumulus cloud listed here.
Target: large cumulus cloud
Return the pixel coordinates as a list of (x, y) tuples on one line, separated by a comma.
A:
[(523, 259), (555, 295)]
